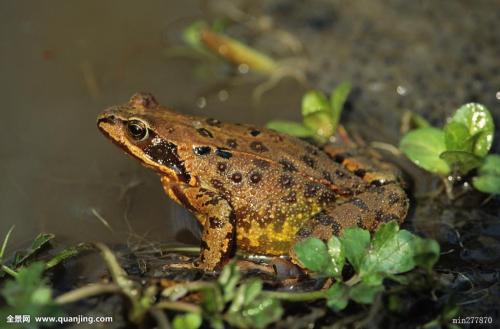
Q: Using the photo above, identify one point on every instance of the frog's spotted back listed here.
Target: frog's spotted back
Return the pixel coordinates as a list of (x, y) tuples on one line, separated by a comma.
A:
[(250, 187)]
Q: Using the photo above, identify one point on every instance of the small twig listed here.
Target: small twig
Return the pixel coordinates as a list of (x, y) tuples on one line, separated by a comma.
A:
[(178, 306), (101, 219), (5, 241), (296, 296), (87, 291), (387, 147), (187, 287), (353, 280), (9, 271), (374, 311), (488, 199), (67, 253), (160, 317), (448, 187)]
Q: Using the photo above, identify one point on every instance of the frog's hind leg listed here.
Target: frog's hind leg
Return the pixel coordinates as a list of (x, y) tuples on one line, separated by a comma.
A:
[(379, 204), (364, 163)]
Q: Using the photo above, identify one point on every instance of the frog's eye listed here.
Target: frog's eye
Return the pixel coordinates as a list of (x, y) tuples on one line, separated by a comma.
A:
[(137, 129)]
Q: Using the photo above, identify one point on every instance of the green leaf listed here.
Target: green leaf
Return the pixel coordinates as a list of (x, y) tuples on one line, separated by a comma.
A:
[(246, 294), (426, 252), (68, 253), (212, 301), (385, 232), (260, 313), (491, 165), (488, 180), (192, 35), (313, 254), (391, 252), (477, 119), (320, 123), (5, 242), (487, 184), (337, 257), (417, 120), (423, 147), (29, 294), (355, 241), (187, 321), (460, 161), (263, 312), (228, 279), (337, 296), (251, 289), (314, 101), (457, 137), (365, 294), (338, 98), (291, 128), (40, 242)]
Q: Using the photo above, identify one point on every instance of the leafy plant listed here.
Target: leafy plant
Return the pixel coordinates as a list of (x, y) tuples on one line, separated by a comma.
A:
[(24, 257), (29, 294), (320, 115), (241, 304), (210, 40), (387, 254), (457, 149), (187, 321), (488, 180)]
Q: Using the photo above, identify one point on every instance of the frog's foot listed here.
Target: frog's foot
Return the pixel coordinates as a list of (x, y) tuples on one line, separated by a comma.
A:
[(366, 164), (279, 268), (180, 266), (379, 204)]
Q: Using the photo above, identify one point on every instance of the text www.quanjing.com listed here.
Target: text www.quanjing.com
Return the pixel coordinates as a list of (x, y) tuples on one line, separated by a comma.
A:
[(74, 319)]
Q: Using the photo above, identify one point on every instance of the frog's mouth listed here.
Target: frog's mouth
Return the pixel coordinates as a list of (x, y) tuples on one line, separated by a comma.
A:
[(154, 152)]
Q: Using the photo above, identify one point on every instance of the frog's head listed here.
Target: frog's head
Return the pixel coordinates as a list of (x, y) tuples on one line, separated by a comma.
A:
[(145, 130)]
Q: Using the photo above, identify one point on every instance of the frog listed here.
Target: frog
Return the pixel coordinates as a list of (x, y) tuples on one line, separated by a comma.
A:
[(252, 189)]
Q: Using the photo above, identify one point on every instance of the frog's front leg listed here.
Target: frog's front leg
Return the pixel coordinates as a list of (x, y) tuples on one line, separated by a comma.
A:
[(215, 215), (379, 204)]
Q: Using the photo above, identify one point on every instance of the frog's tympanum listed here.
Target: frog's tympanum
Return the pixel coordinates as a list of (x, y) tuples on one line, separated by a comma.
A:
[(254, 189)]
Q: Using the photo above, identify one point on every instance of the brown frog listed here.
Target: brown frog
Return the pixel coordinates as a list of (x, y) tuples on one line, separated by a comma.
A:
[(253, 189)]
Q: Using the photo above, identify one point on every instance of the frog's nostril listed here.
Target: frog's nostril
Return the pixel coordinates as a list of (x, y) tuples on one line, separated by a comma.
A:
[(106, 119)]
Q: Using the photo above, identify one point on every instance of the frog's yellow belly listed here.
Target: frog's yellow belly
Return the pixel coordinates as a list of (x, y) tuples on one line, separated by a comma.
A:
[(273, 234)]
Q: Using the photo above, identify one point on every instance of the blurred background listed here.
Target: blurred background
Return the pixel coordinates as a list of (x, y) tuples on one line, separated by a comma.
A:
[(63, 63)]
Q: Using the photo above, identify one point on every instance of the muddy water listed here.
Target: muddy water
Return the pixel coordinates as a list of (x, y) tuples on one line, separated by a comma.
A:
[(60, 66)]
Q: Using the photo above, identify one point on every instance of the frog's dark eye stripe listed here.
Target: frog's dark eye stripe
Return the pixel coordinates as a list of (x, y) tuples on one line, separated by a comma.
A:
[(137, 129), (201, 150)]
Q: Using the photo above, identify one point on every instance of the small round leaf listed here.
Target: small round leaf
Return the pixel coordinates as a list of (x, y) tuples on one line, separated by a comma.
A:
[(423, 147), (478, 121)]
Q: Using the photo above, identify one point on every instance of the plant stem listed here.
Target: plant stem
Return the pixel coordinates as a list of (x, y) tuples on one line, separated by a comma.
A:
[(87, 291), (67, 253), (9, 271), (160, 317), (188, 287), (448, 186), (353, 280), (5, 241), (296, 296), (178, 306)]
